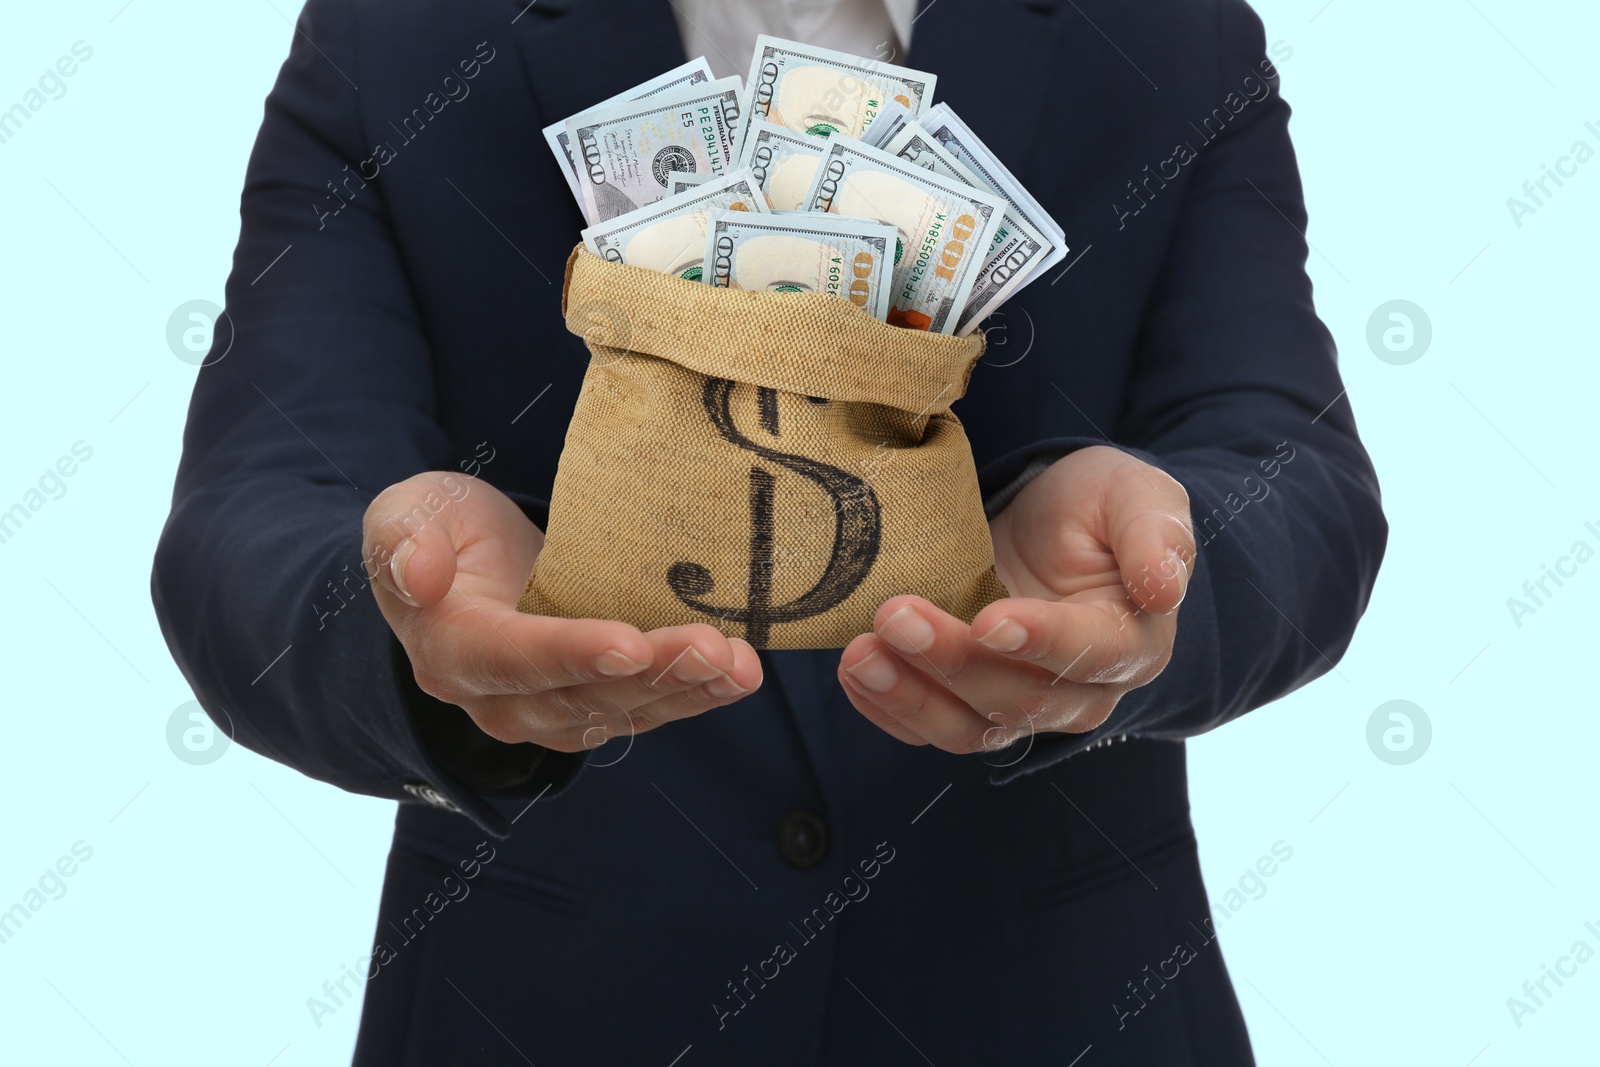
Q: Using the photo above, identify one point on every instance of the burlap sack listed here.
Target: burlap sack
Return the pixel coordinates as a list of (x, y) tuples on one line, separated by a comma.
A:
[(774, 464)]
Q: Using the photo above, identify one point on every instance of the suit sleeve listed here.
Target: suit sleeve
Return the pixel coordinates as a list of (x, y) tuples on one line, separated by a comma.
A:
[(319, 397), (1236, 393)]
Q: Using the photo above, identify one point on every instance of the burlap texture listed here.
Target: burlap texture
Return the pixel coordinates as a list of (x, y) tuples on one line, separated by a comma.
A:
[(774, 464)]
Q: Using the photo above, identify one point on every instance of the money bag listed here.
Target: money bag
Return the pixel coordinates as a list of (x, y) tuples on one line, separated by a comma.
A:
[(774, 464)]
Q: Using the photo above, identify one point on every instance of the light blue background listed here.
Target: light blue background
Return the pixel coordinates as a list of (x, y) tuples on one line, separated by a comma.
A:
[(1419, 897)]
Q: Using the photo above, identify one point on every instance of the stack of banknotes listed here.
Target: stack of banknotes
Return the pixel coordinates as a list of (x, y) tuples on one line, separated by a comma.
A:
[(823, 172)]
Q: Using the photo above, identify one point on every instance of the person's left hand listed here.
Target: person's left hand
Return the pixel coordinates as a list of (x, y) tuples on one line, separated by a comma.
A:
[(1096, 552)]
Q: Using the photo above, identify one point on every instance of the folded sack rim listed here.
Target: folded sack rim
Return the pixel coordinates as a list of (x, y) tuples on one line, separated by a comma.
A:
[(854, 357)]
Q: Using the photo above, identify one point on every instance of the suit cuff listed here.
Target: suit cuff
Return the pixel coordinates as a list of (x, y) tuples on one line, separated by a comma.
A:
[(536, 508), (996, 502), (1000, 480)]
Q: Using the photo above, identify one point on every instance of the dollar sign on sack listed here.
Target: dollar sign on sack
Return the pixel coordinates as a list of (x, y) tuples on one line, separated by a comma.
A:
[(857, 528)]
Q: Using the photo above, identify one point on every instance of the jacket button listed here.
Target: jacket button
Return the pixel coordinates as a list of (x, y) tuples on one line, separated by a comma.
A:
[(803, 839)]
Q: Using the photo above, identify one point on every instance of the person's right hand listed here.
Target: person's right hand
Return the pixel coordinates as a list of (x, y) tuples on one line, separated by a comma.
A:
[(450, 556)]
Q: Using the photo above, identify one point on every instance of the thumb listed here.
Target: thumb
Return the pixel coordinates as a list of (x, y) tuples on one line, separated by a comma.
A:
[(1152, 537), (410, 537)]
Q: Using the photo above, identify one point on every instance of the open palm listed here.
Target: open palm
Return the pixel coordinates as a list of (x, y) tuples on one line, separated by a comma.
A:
[(1096, 553)]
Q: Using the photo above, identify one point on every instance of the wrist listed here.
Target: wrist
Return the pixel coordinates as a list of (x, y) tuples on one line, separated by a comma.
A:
[(449, 735)]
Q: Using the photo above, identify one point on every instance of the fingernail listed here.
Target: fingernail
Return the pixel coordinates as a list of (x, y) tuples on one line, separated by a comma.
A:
[(397, 568), (692, 668), (1173, 565), (614, 664), (725, 688), (1181, 565), (907, 631), (1007, 636), (875, 672)]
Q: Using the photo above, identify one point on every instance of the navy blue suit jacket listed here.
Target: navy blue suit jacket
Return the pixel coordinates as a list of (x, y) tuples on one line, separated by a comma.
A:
[(777, 882)]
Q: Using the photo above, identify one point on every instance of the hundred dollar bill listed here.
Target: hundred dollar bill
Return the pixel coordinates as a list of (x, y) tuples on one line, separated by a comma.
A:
[(1018, 249), (681, 181), (625, 153), (890, 120), (782, 161), (945, 227), (670, 235), (819, 91), (964, 145), (826, 216), (792, 253), (694, 72)]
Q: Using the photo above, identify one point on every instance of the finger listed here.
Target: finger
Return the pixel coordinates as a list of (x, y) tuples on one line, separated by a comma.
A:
[(1152, 536), (416, 532), (471, 647), (682, 658), (584, 717), (878, 716), (863, 699), (1052, 694), (912, 700), (872, 712), (410, 537), (1089, 641), (941, 646), (742, 679)]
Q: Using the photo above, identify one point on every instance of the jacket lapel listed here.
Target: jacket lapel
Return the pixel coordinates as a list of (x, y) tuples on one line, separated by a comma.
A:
[(997, 64), (576, 53)]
